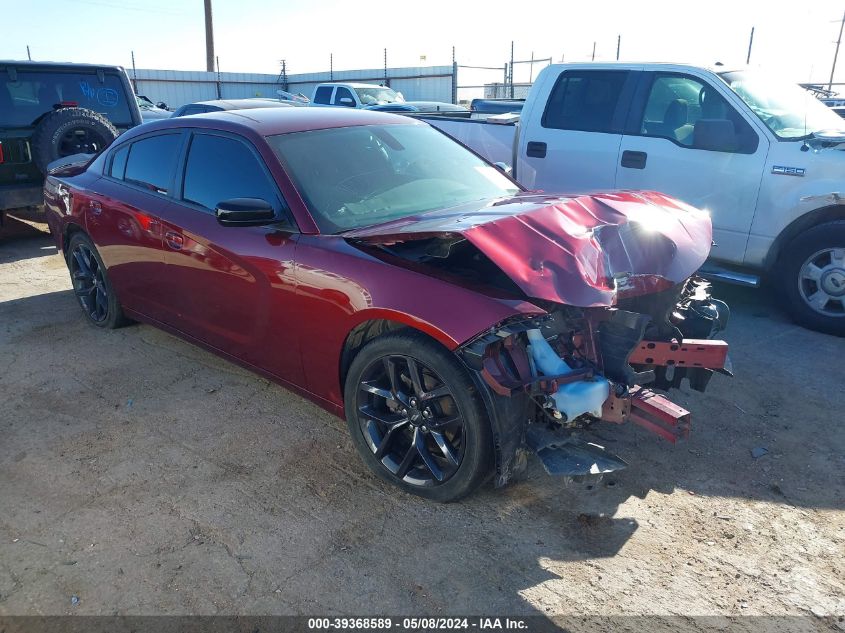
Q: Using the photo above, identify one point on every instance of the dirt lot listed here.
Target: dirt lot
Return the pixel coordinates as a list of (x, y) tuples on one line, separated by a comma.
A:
[(144, 475)]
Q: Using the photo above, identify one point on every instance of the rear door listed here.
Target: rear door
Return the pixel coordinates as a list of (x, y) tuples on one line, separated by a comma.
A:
[(234, 285), (572, 144), (124, 218), (685, 138)]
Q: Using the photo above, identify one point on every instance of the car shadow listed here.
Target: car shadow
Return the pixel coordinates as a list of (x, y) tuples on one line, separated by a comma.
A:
[(24, 236)]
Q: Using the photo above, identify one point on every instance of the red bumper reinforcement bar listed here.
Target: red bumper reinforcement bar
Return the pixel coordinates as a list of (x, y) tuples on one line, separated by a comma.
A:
[(687, 353), (659, 415)]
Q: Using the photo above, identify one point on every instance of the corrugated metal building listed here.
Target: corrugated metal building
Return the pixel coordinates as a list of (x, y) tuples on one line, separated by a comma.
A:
[(178, 87)]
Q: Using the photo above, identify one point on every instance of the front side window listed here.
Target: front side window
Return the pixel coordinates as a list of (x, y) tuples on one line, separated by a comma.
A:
[(787, 109), (151, 162), (323, 95), (585, 100), (34, 92), (362, 175), (693, 114), (343, 93), (221, 168)]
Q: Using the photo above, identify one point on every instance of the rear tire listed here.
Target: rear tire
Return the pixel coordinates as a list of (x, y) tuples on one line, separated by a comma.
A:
[(812, 271), (91, 284), (416, 419)]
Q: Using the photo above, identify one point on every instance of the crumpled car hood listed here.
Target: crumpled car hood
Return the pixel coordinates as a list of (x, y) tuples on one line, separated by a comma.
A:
[(584, 250)]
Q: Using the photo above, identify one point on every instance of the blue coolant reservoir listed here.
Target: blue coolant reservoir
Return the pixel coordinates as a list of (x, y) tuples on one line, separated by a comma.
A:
[(576, 398)]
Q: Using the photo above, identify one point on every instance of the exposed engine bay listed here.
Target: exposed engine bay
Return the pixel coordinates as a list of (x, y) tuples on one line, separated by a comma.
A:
[(625, 316)]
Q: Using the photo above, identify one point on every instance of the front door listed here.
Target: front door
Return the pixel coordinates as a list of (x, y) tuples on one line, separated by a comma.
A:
[(235, 284), (574, 145), (687, 140)]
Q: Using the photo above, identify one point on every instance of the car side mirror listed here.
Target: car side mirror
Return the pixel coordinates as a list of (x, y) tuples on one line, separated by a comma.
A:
[(245, 212), (716, 135), (347, 101), (503, 167), (162, 105)]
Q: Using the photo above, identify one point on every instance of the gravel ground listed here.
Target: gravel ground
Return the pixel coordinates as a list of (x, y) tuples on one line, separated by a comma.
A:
[(144, 475)]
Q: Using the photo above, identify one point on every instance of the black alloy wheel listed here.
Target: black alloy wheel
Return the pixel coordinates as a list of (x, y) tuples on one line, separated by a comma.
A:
[(415, 418), (91, 284)]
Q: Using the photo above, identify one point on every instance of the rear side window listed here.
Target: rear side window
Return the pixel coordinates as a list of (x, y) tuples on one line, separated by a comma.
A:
[(221, 168), (118, 162), (323, 94), (33, 92), (151, 162), (585, 100), (343, 93)]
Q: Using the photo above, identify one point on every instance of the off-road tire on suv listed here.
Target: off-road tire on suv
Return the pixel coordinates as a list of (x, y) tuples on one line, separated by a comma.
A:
[(813, 273), (69, 131)]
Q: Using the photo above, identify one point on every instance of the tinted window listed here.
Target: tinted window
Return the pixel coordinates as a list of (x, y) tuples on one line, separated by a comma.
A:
[(33, 93), (323, 94), (693, 114), (118, 162), (343, 93), (221, 168), (152, 160), (585, 100)]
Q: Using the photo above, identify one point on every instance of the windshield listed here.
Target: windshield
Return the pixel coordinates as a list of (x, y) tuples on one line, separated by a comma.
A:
[(787, 109), (378, 95), (358, 176)]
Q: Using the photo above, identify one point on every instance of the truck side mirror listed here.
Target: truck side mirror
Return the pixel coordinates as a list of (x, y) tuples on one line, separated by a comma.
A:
[(716, 135), (347, 101)]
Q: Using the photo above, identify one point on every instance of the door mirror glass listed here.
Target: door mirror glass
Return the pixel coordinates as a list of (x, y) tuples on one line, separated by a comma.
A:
[(347, 101), (717, 135), (245, 212)]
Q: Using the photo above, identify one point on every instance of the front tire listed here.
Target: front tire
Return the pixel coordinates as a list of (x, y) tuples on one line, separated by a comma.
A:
[(415, 417), (813, 270), (91, 284)]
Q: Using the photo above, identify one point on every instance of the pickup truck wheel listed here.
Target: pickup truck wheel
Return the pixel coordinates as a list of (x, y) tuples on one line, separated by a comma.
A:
[(814, 269), (415, 419), (70, 131), (91, 284)]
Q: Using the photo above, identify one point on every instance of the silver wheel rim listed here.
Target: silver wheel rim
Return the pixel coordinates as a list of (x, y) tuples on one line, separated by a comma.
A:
[(821, 282)]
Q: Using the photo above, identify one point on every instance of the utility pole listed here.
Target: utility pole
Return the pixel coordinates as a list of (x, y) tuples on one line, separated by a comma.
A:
[(511, 73), (531, 73), (209, 38), (750, 42), (386, 82), (331, 66), (836, 54), (134, 74), (618, 46), (28, 56), (594, 52), (219, 91)]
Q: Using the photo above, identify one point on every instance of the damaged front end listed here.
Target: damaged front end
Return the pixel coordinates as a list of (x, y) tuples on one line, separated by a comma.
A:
[(625, 316), (577, 366)]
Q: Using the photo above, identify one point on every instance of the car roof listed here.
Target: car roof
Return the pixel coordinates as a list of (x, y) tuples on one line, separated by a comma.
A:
[(271, 121), (351, 84), (30, 65), (242, 104)]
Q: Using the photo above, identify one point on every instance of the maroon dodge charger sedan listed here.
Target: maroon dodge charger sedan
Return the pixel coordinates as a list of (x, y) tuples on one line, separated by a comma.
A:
[(377, 267)]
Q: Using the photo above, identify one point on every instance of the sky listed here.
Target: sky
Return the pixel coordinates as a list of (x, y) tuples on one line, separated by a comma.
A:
[(795, 40)]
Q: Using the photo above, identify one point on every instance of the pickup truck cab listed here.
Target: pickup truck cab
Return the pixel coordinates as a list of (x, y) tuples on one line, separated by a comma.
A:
[(354, 95), (763, 156)]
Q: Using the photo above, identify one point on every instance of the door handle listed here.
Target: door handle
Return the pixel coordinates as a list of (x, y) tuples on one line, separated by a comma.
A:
[(174, 240), (634, 160), (96, 207), (536, 149)]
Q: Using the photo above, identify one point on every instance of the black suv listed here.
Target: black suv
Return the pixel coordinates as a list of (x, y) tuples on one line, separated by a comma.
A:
[(52, 110)]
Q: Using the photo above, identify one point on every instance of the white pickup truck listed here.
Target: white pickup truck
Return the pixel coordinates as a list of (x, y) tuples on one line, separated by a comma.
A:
[(354, 95), (761, 155)]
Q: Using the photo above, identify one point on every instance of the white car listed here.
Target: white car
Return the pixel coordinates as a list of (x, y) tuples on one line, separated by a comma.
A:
[(761, 155), (354, 95)]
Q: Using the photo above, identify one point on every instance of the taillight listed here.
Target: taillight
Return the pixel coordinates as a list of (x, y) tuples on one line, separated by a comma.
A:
[(2, 158), (68, 104)]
